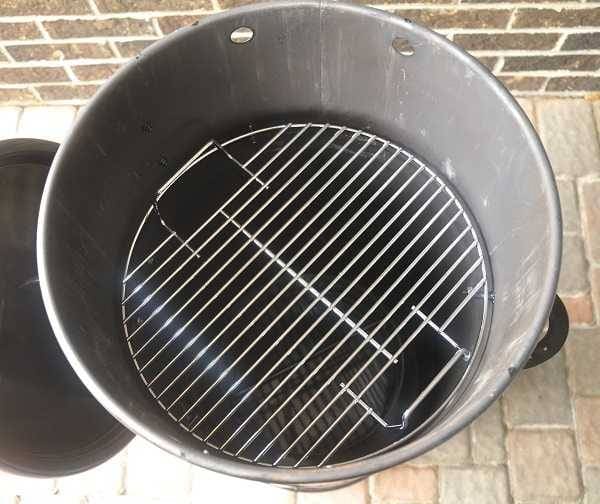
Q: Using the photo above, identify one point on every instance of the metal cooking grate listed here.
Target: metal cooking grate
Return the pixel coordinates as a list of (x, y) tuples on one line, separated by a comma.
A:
[(303, 295)]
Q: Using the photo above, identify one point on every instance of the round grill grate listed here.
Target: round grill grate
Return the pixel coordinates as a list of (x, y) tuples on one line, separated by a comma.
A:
[(304, 295)]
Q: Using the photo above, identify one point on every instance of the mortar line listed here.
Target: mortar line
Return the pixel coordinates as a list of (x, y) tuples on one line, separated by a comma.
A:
[(70, 73), (572, 397), (93, 7), (511, 19), (156, 27), (499, 64), (7, 55), (560, 42), (42, 29), (116, 51), (36, 94)]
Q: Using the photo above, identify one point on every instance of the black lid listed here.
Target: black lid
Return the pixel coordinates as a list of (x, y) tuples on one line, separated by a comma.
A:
[(50, 425)]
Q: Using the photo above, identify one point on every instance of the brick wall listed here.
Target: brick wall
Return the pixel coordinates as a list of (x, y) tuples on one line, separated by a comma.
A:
[(61, 51)]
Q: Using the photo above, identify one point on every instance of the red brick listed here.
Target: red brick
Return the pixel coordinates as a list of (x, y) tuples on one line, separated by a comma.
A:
[(43, 7), (506, 41), (16, 95), (151, 5), (133, 48), (579, 83), (455, 18), (590, 207), (522, 82), (547, 18), (95, 72), (228, 4), (67, 92), (169, 24), (582, 41), (489, 62), (19, 31), (120, 27), (33, 74), (48, 52), (579, 62)]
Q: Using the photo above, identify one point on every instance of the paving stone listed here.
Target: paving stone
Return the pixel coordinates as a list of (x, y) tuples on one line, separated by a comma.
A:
[(573, 272), (455, 451), (590, 207), (568, 133), (487, 437), (104, 480), (587, 413), (23, 486), (9, 117), (49, 123), (404, 484), (580, 308), (568, 203), (355, 494), (154, 473), (474, 485), (583, 359), (591, 481), (528, 107), (539, 396), (595, 280), (53, 499), (534, 456), (210, 486)]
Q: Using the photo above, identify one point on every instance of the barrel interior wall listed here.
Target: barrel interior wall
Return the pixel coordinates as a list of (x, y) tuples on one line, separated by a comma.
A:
[(281, 295)]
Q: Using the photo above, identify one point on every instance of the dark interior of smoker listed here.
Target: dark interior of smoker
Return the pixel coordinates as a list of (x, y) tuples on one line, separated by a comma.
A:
[(181, 367)]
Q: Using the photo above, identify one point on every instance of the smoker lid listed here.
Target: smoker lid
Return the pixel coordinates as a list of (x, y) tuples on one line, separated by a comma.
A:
[(50, 425)]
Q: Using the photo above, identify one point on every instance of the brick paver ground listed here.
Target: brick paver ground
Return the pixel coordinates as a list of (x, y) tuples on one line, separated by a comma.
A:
[(540, 443)]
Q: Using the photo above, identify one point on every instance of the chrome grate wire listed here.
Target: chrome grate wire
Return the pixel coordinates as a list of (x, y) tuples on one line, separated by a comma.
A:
[(280, 308)]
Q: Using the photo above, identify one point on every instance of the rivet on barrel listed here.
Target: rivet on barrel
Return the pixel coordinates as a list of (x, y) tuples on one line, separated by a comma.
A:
[(242, 35)]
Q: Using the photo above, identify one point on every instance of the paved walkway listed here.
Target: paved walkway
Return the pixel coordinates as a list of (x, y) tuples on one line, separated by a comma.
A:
[(539, 444)]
